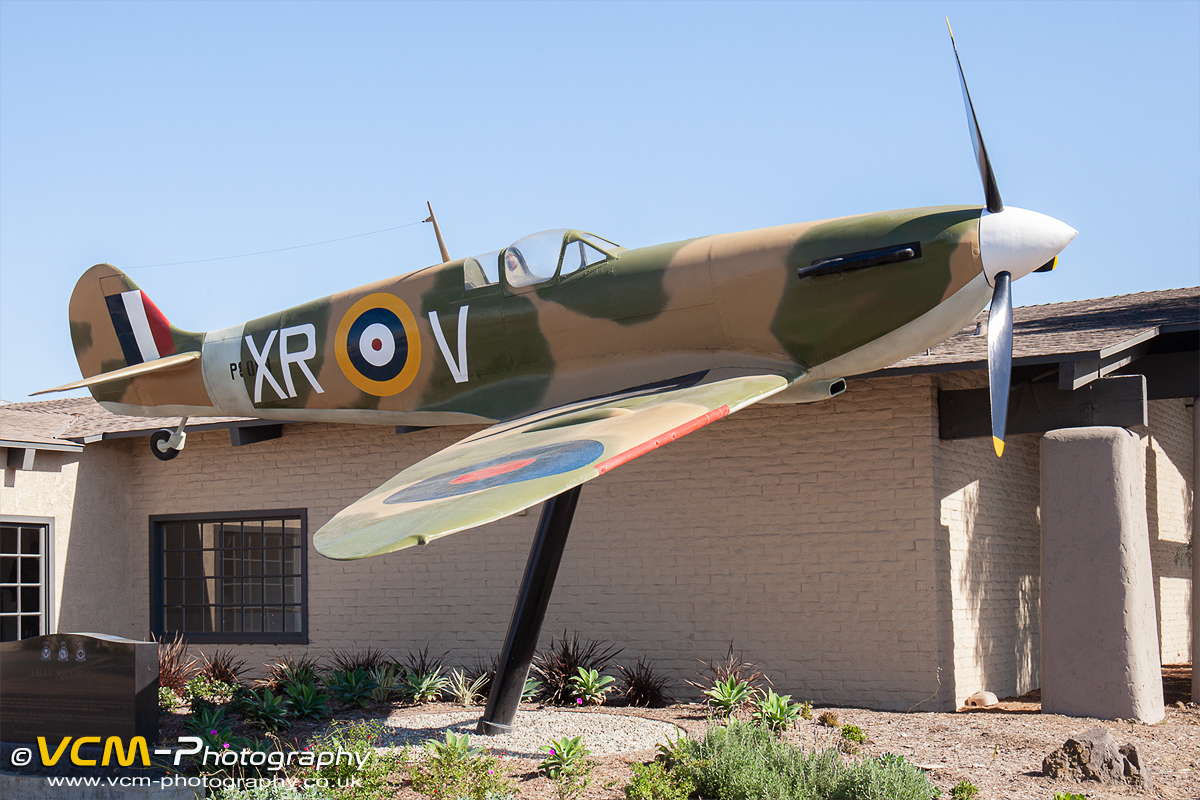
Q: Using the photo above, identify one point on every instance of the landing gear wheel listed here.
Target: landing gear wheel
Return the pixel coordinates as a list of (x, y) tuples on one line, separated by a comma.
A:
[(158, 445)]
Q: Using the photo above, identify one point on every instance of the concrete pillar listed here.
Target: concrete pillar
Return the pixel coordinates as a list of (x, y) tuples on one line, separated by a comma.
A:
[(1100, 654), (1195, 555)]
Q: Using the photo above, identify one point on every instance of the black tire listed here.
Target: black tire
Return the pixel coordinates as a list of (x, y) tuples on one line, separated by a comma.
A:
[(158, 445)]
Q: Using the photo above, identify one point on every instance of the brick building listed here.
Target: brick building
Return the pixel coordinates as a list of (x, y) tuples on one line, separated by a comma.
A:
[(869, 549)]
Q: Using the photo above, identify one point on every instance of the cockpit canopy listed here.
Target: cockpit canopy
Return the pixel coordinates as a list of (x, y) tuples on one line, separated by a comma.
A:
[(538, 258)]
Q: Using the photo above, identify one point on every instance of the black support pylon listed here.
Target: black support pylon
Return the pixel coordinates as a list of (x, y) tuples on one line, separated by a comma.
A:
[(530, 610)]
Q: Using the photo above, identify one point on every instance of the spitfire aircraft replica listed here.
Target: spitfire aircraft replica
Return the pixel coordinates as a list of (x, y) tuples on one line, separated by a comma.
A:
[(580, 354)]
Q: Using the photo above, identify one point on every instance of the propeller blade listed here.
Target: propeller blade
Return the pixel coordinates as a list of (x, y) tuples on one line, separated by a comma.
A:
[(1000, 339), (990, 190)]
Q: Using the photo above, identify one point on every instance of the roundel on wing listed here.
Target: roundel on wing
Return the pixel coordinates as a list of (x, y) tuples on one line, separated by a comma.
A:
[(377, 345), (523, 465)]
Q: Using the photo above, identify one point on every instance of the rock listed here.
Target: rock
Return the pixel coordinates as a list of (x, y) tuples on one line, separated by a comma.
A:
[(981, 700), (1094, 756)]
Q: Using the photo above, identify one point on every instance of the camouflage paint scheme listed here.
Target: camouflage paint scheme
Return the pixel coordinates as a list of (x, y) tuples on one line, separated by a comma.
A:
[(705, 325)]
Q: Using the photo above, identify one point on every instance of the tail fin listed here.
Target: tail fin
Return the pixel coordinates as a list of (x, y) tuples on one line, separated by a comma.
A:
[(115, 325)]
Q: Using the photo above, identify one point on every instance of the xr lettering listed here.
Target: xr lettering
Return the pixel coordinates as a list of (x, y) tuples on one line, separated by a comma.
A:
[(289, 355), (458, 367)]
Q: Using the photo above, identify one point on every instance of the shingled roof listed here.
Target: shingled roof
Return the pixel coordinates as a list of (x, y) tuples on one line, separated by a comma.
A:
[(1073, 331), (1058, 332)]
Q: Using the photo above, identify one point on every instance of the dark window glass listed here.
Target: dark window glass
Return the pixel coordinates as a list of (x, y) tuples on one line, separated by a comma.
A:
[(21, 569), (236, 578)]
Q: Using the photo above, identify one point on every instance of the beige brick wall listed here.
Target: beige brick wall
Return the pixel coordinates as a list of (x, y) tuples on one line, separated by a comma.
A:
[(1169, 474), (988, 522), (801, 533)]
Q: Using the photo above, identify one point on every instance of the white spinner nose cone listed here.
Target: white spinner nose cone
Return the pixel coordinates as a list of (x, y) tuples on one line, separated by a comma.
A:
[(1018, 241)]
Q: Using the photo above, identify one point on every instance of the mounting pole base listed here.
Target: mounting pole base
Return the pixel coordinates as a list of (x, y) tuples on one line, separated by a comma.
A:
[(508, 684)]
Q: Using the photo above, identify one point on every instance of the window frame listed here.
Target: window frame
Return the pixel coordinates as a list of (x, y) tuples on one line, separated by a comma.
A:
[(48, 624), (158, 576)]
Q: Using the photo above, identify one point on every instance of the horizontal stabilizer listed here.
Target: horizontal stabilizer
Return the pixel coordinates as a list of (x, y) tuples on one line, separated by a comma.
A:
[(157, 365)]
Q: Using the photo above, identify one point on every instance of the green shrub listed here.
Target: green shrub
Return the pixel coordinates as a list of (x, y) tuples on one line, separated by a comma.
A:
[(654, 782), (745, 761), (202, 691), (853, 733), (889, 777), (349, 781), (352, 687), (388, 680), (589, 686), (423, 687), (266, 708), (568, 766), (288, 670), (560, 662), (454, 769), (964, 790), (531, 690), (1069, 796), (207, 719), (306, 701), (466, 691), (167, 700), (728, 696), (805, 710), (776, 711)]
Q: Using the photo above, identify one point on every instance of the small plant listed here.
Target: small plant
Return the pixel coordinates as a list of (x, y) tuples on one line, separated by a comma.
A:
[(206, 720), (642, 686), (776, 711), (175, 668), (1069, 796), (561, 661), (654, 782), (266, 709), (672, 751), (728, 696), (387, 681), (288, 670), (455, 769), (852, 736), (307, 701), (589, 686), (465, 691), (829, 719), (167, 700), (350, 660), (568, 766), (964, 790), (483, 669), (531, 690), (734, 666), (223, 666), (425, 687), (805, 710), (204, 692), (352, 688)]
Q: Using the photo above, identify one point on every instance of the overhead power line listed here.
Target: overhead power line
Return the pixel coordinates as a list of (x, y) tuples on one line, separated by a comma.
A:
[(278, 249)]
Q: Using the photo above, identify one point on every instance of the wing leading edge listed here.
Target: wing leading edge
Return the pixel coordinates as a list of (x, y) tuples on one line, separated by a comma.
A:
[(514, 465)]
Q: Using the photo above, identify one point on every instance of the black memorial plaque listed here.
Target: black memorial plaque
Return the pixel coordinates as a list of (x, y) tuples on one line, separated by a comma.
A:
[(78, 684)]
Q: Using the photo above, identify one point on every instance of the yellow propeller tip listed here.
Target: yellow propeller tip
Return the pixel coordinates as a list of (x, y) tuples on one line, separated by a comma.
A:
[(949, 28), (999, 445)]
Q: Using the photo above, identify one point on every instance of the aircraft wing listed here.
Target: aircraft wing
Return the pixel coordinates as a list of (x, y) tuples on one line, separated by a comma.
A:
[(516, 464)]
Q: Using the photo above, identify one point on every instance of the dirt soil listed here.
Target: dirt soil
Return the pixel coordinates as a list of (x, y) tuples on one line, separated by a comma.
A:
[(999, 749)]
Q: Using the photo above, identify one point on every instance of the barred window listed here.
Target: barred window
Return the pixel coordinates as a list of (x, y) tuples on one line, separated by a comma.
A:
[(238, 577), (23, 547)]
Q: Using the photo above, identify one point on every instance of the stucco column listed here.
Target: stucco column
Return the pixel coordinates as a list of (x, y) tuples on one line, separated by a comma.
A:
[(1100, 654), (1195, 555)]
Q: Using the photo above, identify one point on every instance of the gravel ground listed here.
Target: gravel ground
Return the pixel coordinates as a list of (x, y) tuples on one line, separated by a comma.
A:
[(1000, 750)]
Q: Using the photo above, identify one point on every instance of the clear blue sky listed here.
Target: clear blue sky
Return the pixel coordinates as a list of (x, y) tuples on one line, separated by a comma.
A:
[(140, 133)]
